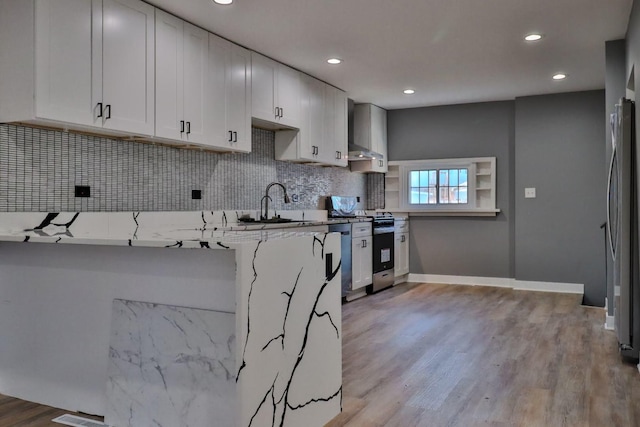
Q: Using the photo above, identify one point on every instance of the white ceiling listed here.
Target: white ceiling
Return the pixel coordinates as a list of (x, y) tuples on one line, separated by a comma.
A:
[(449, 51)]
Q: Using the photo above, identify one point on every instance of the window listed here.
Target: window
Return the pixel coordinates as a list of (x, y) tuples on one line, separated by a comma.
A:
[(442, 186), (439, 186)]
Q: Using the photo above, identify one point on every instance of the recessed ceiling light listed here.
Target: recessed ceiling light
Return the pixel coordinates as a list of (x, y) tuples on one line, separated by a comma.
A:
[(533, 37), (409, 91), (334, 61), (223, 1), (559, 76)]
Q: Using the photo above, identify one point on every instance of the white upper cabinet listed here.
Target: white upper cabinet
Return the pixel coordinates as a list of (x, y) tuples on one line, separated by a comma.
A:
[(229, 94), (181, 74), (126, 58), (276, 92), (85, 64), (370, 131), (312, 131), (63, 58), (335, 118), (322, 137)]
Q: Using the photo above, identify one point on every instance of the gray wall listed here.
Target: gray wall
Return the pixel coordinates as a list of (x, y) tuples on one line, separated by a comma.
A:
[(554, 143), (39, 169), (560, 152), (615, 84), (465, 246)]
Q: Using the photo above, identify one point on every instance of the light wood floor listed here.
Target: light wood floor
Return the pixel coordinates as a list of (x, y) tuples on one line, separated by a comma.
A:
[(443, 356), (437, 356)]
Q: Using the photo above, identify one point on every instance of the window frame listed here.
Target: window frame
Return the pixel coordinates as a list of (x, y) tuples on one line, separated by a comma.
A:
[(471, 193), (480, 169)]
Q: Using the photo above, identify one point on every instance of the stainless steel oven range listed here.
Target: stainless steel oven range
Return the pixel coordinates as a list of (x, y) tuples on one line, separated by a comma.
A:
[(383, 253)]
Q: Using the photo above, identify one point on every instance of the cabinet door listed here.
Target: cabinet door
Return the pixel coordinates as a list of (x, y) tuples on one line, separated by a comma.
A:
[(263, 77), (401, 255), (356, 264), (335, 118), (216, 92), (379, 138), (169, 76), (312, 129), (367, 261), (63, 60), (404, 255), (196, 42), (288, 96), (128, 67), (340, 128), (239, 98), (397, 249), (328, 153)]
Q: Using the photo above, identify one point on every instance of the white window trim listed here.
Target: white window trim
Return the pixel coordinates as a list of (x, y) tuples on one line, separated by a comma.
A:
[(472, 207)]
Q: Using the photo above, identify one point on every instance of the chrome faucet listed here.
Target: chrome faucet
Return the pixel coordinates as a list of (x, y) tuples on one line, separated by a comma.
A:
[(266, 199)]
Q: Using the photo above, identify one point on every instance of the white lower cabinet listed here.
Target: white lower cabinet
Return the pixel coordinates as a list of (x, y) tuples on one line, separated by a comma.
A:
[(401, 261), (361, 262), (361, 255), (401, 247)]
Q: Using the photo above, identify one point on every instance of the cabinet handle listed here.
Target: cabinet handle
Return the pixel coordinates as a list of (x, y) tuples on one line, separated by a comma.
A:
[(230, 136), (381, 163), (402, 238), (188, 128), (99, 109), (278, 112), (235, 136), (364, 243), (108, 110), (281, 112), (181, 126)]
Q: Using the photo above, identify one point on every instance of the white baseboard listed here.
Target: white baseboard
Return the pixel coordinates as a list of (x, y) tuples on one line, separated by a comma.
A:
[(563, 288), (609, 323), (501, 282)]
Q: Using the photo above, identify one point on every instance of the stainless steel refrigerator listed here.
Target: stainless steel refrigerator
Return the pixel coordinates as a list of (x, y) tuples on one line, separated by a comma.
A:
[(622, 220)]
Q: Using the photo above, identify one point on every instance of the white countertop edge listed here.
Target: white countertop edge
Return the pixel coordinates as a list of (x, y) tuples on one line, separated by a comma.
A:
[(443, 212), (231, 236)]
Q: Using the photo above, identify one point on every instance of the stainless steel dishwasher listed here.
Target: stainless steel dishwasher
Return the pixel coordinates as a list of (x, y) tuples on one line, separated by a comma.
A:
[(345, 249)]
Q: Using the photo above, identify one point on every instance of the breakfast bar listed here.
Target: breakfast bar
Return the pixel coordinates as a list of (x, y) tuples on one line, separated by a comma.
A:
[(171, 319)]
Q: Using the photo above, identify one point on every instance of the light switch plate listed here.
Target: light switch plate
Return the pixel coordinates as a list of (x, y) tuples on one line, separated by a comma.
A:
[(529, 193)]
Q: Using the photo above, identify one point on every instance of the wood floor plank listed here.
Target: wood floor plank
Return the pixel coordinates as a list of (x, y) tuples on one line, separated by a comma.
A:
[(461, 356)]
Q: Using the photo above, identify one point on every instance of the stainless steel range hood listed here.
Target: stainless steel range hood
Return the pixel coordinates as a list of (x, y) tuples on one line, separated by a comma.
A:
[(357, 152)]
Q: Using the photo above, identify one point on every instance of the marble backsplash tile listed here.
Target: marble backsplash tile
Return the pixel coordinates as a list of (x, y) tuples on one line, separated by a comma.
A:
[(40, 168)]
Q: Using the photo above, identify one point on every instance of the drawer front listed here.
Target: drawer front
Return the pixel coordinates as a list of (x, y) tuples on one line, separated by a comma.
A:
[(361, 229), (401, 226)]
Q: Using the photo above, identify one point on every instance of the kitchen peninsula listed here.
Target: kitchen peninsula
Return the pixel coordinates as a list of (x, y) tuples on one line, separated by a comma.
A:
[(171, 319)]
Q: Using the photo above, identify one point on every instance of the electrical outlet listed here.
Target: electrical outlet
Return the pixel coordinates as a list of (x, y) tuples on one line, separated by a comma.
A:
[(196, 194), (83, 191), (529, 193)]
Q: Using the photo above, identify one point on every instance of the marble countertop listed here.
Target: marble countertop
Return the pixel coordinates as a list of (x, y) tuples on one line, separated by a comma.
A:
[(170, 230)]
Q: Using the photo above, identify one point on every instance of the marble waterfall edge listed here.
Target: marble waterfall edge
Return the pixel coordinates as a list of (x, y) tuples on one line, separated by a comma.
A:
[(290, 335), (175, 366), (170, 366)]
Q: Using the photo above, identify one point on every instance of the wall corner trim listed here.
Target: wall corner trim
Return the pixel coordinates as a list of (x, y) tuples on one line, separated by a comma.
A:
[(500, 282)]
